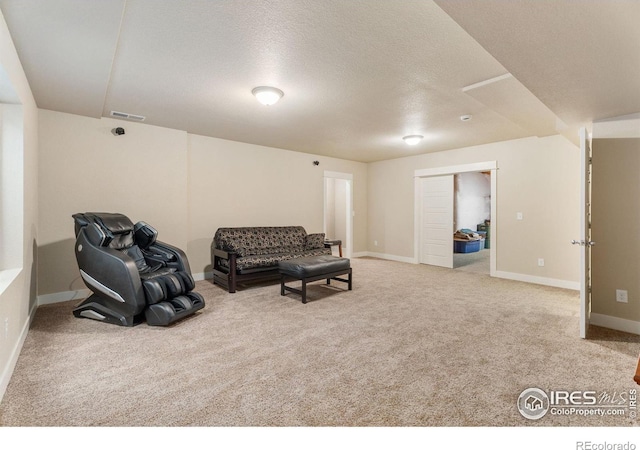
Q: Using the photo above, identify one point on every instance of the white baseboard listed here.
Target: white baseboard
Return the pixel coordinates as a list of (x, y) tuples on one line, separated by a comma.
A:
[(202, 276), (615, 323), (81, 294), (553, 282), (58, 297), (404, 259), (15, 353)]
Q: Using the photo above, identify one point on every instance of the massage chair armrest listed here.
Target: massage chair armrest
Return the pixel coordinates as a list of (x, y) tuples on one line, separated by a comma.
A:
[(168, 255), (109, 272)]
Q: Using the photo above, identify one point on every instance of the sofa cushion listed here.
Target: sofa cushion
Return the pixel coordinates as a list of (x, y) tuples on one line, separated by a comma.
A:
[(247, 241), (263, 261)]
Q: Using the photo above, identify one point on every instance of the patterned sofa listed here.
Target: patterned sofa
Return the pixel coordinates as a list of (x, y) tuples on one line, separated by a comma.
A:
[(251, 253)]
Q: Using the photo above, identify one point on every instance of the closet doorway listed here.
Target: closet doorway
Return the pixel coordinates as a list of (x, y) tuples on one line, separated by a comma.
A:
[(424, 203), (472, 221), (338, 210)]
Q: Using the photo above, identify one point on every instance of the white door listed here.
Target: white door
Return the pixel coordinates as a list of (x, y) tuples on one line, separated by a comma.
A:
[(585, 242), (436, 221)]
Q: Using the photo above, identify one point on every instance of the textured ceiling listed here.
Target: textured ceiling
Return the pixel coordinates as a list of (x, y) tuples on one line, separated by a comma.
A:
[(357, 75)]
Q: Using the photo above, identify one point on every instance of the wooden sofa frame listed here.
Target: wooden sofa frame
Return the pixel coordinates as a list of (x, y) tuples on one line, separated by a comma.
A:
[(231, 279)]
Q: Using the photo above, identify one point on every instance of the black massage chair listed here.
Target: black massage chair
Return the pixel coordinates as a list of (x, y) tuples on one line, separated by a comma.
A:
[(133, 277)]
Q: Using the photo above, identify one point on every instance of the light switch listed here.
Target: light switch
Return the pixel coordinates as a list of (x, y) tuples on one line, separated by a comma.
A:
[(519, 216)]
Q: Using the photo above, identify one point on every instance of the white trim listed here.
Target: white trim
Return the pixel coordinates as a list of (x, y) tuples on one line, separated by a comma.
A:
[(452, 170), (65, 296), (493, 252), (15, 353), (404, 259), (615, 323), (360, 254), (200, 276), (553, 282), (7, 277), (341, 175), (81, 294)]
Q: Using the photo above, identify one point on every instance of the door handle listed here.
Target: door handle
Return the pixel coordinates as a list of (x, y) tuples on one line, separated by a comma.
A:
[(583, 243)]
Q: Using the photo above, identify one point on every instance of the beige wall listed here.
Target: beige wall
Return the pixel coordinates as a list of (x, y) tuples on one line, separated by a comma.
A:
[(615, 219), (536, 176), (237, 184), (184, 185), (18, 296), (84, 167)]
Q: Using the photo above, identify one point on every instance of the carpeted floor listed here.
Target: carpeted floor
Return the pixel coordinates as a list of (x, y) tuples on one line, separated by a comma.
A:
[(477, 262), (411, 345)]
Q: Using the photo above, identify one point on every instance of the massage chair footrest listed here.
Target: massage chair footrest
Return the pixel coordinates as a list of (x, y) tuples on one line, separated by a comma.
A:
[(166, 312)]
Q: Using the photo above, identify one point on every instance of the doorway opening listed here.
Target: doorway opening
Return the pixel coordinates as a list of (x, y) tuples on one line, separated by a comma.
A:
[(338, 211), (434, 226), (472, 222)]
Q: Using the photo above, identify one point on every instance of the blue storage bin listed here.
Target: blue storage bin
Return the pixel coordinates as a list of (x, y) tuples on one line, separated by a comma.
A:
[(467, 246)]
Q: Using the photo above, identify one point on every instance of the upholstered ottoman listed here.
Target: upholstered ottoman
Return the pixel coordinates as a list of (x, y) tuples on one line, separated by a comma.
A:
[(310, 269)]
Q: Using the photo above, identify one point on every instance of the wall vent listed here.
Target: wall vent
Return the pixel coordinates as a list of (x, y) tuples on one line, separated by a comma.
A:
[(121, 115)]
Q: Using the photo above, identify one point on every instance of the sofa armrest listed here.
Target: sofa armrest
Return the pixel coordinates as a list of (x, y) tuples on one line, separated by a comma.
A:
[(314, 240), (224, 254), (229, 256)]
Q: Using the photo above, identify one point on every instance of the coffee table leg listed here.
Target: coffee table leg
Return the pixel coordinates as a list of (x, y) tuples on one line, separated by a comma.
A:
[(350, 275), (304, 291), (281, 284)]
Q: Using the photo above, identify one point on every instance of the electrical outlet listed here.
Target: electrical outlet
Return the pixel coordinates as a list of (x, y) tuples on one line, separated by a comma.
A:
[(622, 296), (519, 216), (541, 262), (6, 327), (375, 243)]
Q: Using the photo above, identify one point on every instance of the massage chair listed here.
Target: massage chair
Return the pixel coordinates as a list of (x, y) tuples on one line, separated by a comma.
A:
[(133, 276)]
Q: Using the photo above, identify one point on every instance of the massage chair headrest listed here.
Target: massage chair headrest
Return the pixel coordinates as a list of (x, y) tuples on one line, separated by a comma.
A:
[(113, 230)]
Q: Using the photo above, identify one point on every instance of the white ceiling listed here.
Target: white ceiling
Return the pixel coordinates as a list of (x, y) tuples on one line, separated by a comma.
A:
[(357, 74)]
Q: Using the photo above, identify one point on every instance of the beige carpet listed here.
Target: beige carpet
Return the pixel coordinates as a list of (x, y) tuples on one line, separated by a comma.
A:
[(411, 345)]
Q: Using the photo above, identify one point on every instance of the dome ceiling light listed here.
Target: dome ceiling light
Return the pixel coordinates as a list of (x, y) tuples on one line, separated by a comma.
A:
[(412, 139), (267, 95)]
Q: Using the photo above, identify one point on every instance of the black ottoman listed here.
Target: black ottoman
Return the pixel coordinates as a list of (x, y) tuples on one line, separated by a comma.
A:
[(312, 268)]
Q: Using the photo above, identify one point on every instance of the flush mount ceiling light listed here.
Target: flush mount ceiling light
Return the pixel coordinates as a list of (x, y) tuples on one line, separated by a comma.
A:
[(466, 117), (267, 95), (413, 139)]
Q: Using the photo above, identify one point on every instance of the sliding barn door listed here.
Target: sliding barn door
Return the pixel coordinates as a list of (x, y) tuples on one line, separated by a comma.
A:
[(436, 221)]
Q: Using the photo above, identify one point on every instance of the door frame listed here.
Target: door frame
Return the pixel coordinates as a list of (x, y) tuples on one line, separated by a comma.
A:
[(585, 232), (348, 248), (485, 166)]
